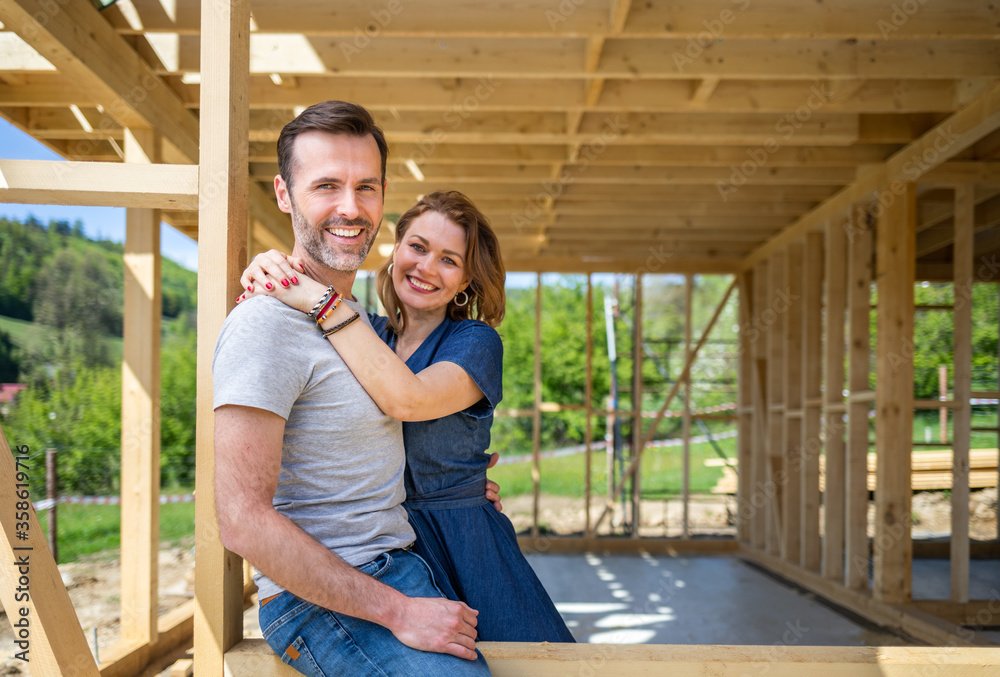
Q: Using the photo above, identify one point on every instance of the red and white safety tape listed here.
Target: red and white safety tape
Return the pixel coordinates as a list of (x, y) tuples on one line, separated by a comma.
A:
[(106, 500)]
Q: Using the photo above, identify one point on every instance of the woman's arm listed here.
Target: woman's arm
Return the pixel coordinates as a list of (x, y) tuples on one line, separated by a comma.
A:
[(439, 390)]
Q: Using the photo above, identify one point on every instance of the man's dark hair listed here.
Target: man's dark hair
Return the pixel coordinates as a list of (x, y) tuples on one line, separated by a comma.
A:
[(332, 117)]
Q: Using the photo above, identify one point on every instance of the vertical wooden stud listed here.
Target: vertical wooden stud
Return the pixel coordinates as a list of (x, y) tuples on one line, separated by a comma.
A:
[(759, 488), (637, 435), (791, 507), (812, 376), (774, 314), (961, 436), (896, 266), (536, 412), (588, 394), (222, 254), (833, 401), (856, 477), (686, 421), (140, 471), (745, 440)]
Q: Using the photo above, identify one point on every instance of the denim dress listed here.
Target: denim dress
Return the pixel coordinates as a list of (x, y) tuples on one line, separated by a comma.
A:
[(470, 547)]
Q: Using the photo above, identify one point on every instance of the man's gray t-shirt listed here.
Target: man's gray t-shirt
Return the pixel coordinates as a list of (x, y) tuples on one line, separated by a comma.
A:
[(341, 478)]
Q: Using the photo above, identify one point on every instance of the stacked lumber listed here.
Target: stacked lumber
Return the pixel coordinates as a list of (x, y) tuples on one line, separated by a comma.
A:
[(931, 471)]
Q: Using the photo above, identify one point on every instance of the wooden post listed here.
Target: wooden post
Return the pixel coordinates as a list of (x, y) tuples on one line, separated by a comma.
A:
[(746, 439), (686, 422), (761, 438), (896, 261), (536, 411), (961, 435), (637, 435), (775, 402), (140, 471), (943, 383), (859, 276), (812, 394), (222, 253), (53, 639), (588, 394), (791, 506), (833, 401), (52, 493)]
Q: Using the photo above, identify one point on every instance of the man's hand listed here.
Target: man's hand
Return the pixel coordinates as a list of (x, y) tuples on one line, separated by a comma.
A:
[(437, 624), (492, 488)]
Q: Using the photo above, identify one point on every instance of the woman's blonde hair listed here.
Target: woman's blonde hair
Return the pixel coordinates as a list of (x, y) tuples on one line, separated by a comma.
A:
[(483, 262)]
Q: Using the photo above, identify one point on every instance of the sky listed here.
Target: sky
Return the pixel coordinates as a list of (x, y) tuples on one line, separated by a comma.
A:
[(98, 222)]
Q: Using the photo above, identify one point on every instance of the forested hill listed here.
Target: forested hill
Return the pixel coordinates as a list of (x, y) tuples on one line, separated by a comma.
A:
[(54, 276)]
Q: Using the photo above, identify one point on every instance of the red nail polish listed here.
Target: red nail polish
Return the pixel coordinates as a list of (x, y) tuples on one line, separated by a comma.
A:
[(250, 288), (284, 283), (295, 280), (268, 285)]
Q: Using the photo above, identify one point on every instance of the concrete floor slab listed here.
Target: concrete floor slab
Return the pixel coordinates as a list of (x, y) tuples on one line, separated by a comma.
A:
[(626, 599)]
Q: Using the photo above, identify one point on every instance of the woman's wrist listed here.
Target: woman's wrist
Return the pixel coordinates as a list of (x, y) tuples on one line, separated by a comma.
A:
[(339, 314)]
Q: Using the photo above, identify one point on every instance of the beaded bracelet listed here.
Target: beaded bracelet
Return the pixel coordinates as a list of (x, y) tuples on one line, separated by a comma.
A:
[(333, 330), (328, 309), (322, 302)]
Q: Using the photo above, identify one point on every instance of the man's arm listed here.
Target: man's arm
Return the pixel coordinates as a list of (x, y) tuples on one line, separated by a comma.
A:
[(247, 462)]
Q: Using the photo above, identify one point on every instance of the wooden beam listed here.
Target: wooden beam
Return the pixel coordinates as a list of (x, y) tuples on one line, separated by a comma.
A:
[(686, 420), (859, 277), (536, 414), (758, 481), (896, 261), (812, 397), (835, 269), (588, 396), (140, 469), (943, 142), (637, 408), (85, 49), (99, 183), (517, 659), (47, 632), (222, 254), (961, 429), (791, 505), (745, 440), (777, 472)]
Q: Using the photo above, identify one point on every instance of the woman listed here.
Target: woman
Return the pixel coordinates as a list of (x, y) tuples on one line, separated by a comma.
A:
[(436, 364)]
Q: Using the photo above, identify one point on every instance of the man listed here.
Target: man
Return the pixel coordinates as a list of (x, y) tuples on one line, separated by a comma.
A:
[(308, 469)]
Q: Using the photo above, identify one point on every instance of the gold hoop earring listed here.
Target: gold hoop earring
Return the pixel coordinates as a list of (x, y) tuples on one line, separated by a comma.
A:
[(460, 305)]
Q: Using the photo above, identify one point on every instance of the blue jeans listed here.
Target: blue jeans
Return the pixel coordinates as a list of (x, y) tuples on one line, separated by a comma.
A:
[(322, 643)]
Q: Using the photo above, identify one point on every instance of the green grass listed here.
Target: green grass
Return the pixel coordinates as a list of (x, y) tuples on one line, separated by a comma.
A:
[(24, 333), (661, 472), (927, 424), (89, 529)]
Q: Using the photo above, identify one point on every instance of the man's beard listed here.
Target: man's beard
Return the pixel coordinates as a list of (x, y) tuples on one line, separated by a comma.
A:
[(341, 259)]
